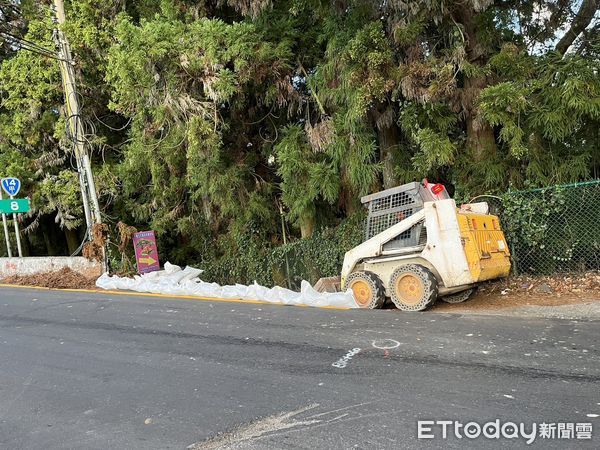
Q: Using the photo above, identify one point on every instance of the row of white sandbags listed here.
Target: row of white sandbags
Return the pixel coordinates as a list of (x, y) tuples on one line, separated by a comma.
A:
[(175, 281)]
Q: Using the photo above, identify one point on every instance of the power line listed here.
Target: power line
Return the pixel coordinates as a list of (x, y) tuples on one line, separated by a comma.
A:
[(29, 46), (30, 43)]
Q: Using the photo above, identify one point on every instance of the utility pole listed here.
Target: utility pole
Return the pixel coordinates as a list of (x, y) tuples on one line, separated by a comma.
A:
[(89, 196)]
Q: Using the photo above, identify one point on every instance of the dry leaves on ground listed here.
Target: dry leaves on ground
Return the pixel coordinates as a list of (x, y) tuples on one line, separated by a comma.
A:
[(59, 279)]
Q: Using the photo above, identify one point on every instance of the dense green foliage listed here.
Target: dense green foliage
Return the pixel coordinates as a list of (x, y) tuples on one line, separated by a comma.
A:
[(229, 126)]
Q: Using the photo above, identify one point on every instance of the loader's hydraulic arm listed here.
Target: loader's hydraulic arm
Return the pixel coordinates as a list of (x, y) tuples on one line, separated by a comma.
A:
[(372, 247)]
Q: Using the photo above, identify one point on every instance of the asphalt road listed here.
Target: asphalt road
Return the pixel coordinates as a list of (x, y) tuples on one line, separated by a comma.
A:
[(82, 371)]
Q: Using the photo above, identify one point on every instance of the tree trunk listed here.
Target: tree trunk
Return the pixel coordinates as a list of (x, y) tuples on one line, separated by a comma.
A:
[(383, 118), (481, 142), (351, 203), (206, 208), (52, 237), (26, 245), (307, 224), (73, 241), (348, 199), (50, 248), (480, 135), (389, 140), (582, 19)]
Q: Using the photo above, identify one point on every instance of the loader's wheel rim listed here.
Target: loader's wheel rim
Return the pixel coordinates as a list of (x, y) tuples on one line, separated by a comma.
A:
[(367, 289), (410, 288), (413, 287), (363, 293)]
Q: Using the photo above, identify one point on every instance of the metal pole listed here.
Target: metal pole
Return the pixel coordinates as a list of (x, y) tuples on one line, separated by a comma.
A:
[(17, 233), (5, 223), (287, 261)]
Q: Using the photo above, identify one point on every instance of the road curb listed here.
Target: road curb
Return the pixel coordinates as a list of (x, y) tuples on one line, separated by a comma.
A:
[(166, 296)]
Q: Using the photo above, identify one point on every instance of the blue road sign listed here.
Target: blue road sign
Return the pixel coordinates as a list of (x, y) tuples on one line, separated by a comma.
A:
[(11, 186)]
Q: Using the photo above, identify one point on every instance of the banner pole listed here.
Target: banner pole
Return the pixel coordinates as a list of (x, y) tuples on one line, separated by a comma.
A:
[(18, 235), (5, 223)]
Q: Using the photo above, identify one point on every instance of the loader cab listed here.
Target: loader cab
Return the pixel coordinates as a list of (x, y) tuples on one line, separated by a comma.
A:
[(387, 208)]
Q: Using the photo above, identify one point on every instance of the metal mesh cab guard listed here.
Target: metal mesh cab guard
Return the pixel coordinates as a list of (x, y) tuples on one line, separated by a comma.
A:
[(387, 208)]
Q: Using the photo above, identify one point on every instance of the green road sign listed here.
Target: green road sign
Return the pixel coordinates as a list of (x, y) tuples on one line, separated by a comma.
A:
[(15, 205)]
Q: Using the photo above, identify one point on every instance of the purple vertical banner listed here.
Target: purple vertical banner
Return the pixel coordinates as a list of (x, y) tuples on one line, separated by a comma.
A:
[(146, 251)]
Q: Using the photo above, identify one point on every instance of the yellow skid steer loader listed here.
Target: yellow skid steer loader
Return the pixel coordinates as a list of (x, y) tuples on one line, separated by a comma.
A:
[(419, 246)]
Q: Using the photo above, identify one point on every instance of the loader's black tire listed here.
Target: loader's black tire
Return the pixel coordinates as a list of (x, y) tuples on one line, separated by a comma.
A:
[(367, 289), (458, 297), (413, 287)]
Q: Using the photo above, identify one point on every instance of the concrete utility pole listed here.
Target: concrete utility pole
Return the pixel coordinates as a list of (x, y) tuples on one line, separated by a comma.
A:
[(86, 179)]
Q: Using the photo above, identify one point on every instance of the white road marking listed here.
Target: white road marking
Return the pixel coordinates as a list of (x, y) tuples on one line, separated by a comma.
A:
[(385, 344), (344, 360)]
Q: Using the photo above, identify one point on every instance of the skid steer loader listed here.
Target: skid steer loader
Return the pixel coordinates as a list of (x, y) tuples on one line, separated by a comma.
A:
[(419, 246)]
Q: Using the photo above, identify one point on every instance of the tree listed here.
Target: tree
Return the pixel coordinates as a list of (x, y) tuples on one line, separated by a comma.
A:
[(207, 119)]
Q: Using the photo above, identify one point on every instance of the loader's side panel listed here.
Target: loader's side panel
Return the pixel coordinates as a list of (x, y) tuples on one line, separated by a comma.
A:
[(444, 249), (485, 246)]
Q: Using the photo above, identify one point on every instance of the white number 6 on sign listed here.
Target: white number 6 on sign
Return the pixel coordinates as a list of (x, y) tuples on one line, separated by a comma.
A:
[(14, 206)]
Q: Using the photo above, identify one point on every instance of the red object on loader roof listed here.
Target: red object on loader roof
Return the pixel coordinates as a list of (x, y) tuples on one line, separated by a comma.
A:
[(438, 190)]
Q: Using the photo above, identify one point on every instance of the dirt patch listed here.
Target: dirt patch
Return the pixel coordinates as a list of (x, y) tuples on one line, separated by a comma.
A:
[(58, 279), (531, 291)]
